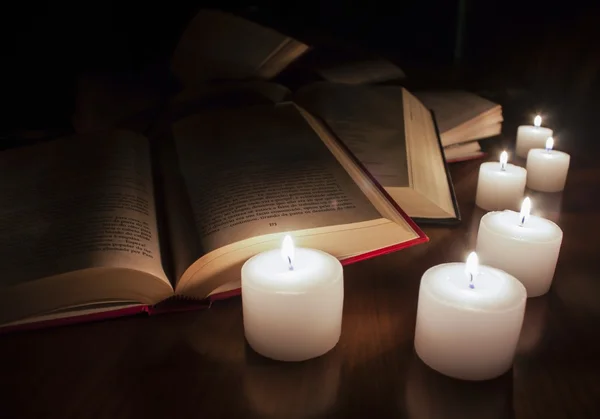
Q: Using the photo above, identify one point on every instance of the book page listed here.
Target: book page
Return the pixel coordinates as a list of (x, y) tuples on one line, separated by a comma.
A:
[(376, 70), (368, 123), (470, 133), (219, 45), (262, 170), (393, 136), (427, 166), (453, 108), (77, 203)]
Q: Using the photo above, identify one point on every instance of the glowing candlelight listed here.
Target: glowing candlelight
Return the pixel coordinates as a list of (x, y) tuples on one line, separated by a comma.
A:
[(500, 185), (525, 211), (531, 136), (503, 160), (524, 245), (451, 317), (472, 267), (288, 250), (292, 300), (547, 168)]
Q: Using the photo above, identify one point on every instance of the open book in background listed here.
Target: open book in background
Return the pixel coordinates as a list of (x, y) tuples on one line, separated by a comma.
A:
[(220, 46), (462, 119), (366, 71), (80, 217), (395, 138), (338, 62), (388, 130), (216, 51), (462, 152), (350, 65)]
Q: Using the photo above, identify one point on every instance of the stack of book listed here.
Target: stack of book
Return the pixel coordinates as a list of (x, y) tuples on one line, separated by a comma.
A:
[(463, 118), (155, 204)]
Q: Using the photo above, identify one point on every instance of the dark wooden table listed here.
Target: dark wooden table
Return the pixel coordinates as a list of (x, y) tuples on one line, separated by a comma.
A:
[(197, 364)]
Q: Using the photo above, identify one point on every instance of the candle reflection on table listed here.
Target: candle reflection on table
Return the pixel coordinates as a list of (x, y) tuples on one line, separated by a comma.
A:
[(548, 205), (534, 325), (430, 395), (291, 390)]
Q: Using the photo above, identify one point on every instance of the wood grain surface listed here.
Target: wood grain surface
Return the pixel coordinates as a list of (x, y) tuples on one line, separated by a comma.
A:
[(198, 365)]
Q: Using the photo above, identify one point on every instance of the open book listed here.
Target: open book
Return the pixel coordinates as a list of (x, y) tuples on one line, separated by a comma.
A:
[(390, 132), (221, 46), (462, 119), (342, 63), (463, 151), (215, 46), (395, 137), (367, 71), (80, 217)]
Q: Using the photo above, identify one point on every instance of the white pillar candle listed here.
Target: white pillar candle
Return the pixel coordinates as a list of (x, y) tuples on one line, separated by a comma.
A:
[(292, 302), (469, 319), (500, 185), (547, 168), (525, 246), (529, 136)]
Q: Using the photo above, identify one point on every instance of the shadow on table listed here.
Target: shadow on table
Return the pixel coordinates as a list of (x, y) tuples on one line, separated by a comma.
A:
[(534, 325), (546, 205)]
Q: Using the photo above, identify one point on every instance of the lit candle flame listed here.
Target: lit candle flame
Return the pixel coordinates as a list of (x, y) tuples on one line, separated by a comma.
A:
[(549, 143), (503, 160), (472, 267), (537, 121), (288, 250), (525, 210)]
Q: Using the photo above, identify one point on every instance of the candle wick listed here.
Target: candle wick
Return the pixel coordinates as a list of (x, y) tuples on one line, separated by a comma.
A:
[(503, 167), (290, 262), (471, 285), (522, 221)]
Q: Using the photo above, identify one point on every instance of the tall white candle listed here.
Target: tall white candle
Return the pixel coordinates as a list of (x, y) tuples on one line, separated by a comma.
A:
[(500, 185), (529, 137), (469, 319), (525, 246), (292, 302), (547, 169)]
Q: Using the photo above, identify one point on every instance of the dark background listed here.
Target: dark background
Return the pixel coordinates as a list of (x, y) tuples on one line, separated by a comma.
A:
[(543, 54)]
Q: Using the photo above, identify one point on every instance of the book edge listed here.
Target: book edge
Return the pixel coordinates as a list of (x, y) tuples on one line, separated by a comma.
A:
[(457, 218), (479, 155), (72, 320)]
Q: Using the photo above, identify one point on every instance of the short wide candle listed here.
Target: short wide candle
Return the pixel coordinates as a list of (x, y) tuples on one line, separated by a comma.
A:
[(529, 251), (529, 137), (292, 305), (469, 333), (547, 168), (500, 185)]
